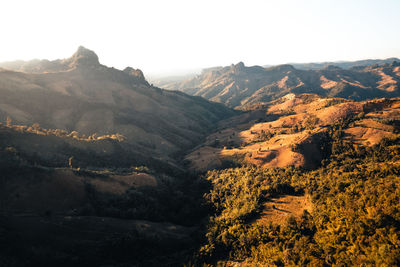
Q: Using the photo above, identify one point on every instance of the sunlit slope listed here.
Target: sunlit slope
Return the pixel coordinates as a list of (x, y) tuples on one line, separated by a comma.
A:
[(240, 86), (293, 131)]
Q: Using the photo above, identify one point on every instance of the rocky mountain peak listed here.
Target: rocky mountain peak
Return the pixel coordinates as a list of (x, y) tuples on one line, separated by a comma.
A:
[(134, 72), (238, 67), (84, 57)]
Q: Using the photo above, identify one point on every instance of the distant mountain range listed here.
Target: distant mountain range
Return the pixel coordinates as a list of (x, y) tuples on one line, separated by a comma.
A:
[(342, 64), (79, 94), (240, 86)]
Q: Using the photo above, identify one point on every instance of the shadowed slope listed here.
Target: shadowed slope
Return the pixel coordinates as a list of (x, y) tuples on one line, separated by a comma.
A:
[(79, 94)]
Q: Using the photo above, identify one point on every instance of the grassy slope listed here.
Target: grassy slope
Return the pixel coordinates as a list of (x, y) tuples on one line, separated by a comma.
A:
[(293, 130), (353, 218)]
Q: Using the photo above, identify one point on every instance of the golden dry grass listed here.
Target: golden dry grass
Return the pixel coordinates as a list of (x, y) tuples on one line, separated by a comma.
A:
[(278, 210), (353, 83), (334, 113), (290, 100), (371, 123), (387, 83), (327, 84), (282, 83), (205, 158), (272, 153), (366, 136), (241, 141)]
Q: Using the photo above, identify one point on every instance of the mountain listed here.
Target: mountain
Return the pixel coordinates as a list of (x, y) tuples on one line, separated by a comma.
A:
[(82, 56), (291, 131), (344, 64), (310, 181), (240, 86), (100, 168), (90, 166), (78, 94)]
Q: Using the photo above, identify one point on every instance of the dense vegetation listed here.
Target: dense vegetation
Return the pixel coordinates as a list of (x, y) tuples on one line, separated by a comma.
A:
[(119, 193), (355, 218), (177, 200), (52, 238)]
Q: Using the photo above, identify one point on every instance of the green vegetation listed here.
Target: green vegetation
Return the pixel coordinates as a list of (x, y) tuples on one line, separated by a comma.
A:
[(355, 218), (44, 234), (351, 212), (177, 200), (117, 193)]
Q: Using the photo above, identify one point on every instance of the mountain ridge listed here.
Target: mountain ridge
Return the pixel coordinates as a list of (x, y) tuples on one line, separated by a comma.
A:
[(239, 86), (80, 94)]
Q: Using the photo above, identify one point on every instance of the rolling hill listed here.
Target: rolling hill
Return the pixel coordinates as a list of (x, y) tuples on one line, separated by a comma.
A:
[(293, 131), (304, 180)]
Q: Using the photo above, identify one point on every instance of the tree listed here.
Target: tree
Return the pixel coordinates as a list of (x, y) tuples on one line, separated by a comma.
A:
[(8, 121), (36, 127), (70, 160)]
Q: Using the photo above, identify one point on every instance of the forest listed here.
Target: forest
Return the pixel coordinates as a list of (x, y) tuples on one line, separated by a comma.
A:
[(355, 217)]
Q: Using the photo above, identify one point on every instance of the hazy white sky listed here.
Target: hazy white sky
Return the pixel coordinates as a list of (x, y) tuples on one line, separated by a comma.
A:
[(167, 36)]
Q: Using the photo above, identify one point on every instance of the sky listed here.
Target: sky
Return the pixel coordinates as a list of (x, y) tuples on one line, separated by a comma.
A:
[(180, 36)]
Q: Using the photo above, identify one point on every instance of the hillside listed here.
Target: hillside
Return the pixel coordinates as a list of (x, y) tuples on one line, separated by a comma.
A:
[(100, 168), (79, 94), (240, 86), (90, 166), (293, 132), (69, 200), (310, 181)]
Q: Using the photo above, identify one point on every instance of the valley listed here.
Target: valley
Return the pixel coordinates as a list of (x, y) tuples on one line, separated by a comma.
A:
[(293, 167)]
